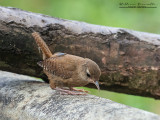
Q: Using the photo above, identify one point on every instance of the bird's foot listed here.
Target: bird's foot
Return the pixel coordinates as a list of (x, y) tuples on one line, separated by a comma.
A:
[(69, 92), (79, 90)]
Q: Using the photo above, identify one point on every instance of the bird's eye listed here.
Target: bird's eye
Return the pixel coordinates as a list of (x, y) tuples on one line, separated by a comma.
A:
[(88, 75)]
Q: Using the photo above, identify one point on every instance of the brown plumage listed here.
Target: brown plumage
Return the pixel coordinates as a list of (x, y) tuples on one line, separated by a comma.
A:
[(65, 70)]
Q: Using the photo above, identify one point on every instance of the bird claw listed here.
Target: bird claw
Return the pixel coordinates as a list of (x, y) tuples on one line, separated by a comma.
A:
[(72, 93), (69, 92), (79, 90)]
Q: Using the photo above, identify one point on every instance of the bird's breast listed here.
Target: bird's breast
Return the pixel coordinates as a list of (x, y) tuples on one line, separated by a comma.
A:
[(71, 82)]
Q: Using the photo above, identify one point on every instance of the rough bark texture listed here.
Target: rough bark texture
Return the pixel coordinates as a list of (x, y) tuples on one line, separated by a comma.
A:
[(25, 98), (129, 60)]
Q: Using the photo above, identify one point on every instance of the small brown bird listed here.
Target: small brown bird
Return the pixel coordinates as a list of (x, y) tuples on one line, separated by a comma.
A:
[(65, 70)]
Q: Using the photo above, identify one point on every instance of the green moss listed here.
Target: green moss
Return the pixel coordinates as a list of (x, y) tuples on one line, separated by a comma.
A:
[(3, 64)]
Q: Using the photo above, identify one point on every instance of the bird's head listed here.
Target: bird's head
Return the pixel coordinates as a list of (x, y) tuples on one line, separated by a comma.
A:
[(91, 72)]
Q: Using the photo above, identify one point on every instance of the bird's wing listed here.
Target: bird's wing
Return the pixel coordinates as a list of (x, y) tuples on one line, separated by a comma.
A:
[(60, 65)]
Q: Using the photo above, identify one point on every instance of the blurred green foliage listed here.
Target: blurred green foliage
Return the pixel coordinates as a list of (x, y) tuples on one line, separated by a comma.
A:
[(148, 104), (102, 12)]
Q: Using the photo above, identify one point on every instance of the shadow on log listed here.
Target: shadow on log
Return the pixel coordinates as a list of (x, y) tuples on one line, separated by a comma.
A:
[(129, 60), (25, 98)]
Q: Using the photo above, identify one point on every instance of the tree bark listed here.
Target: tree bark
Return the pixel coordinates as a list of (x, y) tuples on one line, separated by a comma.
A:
[(129, 60)]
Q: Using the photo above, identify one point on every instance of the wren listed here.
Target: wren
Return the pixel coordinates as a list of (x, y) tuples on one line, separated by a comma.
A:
[(66, 70)]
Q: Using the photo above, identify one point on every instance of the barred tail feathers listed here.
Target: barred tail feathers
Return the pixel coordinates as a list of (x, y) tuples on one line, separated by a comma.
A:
[(44, 48)]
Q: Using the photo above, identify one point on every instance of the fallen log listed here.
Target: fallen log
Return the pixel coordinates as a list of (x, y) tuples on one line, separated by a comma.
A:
[(26, 98), (129, 60)]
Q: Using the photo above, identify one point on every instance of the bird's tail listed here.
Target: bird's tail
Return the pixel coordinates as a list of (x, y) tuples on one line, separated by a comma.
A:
[(44, 48)]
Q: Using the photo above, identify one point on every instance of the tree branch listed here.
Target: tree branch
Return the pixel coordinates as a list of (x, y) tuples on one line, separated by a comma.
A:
[(129, 60), (25, 98)]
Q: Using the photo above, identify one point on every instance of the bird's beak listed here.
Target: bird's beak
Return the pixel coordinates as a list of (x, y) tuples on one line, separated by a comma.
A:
[(97, 85)]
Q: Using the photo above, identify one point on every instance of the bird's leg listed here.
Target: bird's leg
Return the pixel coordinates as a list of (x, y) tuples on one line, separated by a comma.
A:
[(52, 85), (79, 90), (69, 92)]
